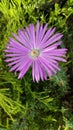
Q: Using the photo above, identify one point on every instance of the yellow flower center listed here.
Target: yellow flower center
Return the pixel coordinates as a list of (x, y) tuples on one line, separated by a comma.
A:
[(35, 53)]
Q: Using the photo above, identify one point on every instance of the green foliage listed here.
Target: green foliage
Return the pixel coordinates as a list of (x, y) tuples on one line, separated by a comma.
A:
[(25, 105), (59, 16)]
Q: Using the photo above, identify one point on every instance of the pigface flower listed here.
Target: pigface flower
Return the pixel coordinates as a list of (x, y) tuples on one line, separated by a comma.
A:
[(35, 47)]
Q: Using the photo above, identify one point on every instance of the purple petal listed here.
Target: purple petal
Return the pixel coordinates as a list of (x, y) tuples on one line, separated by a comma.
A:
[(12, 59), (24, 70), (15, 67), (41, 72), (14, 50), (22, 40), (32, 32), (42, 31), (15, 44), (13, 55), (15, 62), (45, 66), (37, 33), (58, 58), (52, 47), (33, 71), (36, 71), (48, 34), (51, 66), (23, 63), (19, 66), (53, 39)]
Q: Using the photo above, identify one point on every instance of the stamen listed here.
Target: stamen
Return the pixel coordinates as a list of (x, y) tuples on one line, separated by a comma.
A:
[(35, 53)]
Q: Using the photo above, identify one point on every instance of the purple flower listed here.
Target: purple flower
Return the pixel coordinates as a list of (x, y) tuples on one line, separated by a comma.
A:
[(36, 48)]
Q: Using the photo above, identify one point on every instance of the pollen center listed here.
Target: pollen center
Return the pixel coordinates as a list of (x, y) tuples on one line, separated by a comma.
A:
[(35, 53)]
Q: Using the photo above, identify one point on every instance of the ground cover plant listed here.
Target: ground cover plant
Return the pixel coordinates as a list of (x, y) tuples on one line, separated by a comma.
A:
[(42, 105)]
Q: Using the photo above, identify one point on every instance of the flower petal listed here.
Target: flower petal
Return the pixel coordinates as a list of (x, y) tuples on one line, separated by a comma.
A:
[(53, 39), (24, 70), (48, 34)]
